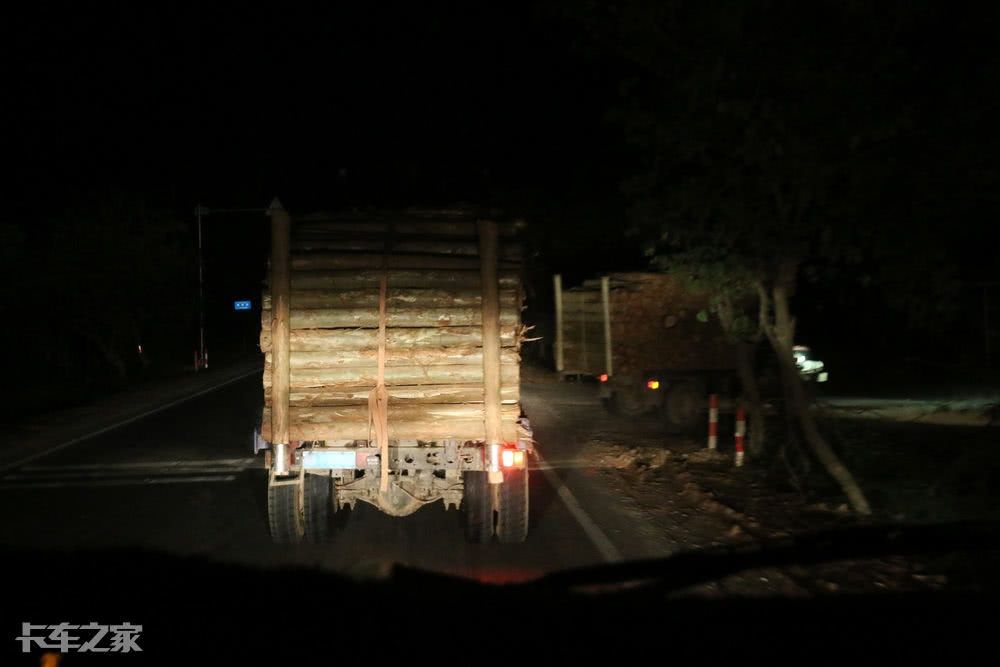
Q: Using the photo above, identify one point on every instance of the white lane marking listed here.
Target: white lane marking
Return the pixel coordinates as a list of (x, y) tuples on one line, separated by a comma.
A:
[(151, 465), (198, 479), (111, 474), (597, 537), (567, 464), (124, 422)]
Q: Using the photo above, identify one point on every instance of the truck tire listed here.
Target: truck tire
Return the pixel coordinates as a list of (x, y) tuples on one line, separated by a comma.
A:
[(300, 511), (477, 504), (284, 513), (628, 401), (512, 510), (316, 508), (684, 407)]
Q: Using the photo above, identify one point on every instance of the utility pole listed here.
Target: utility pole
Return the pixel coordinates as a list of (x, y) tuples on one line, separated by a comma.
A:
[(986, 325), (201, 363), (987, 333), (199, 211)]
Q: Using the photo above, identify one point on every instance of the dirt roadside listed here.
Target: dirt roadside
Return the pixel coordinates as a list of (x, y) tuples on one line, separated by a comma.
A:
[(698, 498)]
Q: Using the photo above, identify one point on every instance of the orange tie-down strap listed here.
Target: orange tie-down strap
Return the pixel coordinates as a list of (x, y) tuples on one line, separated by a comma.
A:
[(378, 399)]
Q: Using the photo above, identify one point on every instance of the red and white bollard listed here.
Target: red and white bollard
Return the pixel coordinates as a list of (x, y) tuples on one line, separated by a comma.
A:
[(713, 421), (741, 431)]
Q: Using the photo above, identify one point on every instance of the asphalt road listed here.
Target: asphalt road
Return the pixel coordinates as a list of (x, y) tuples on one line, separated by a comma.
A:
[(184, 482)]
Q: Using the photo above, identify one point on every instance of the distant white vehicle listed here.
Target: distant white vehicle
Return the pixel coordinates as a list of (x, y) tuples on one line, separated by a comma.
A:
[(810, 369)]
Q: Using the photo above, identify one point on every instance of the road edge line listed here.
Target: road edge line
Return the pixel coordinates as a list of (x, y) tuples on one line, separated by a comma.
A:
[(609, 552)]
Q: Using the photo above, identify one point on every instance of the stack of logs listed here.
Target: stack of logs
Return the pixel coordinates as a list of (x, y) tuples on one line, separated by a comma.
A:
[(434, 356), (654, 325)]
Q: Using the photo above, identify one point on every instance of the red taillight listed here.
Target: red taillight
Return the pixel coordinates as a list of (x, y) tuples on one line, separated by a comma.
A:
[(512, 458), (653, 384), (603, 377)]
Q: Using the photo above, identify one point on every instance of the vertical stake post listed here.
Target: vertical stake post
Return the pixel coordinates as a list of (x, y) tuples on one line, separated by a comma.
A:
[(713, 421), (557, 286), (491, 344), (280, 285), (741, 431)]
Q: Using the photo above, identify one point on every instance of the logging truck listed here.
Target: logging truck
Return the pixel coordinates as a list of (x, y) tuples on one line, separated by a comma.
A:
[(649, 341), (391, 345)]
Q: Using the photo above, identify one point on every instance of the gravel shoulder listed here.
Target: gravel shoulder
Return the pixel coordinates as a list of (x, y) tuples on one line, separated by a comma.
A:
[(691, 498)]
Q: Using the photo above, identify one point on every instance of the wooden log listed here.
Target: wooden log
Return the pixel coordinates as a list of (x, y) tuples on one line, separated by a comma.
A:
[(326, 261), (587, 317), (570, 307), (457, 248), (396, 375), (400, 226), (342, 244), (581, 299), (573, 328), (319, 340), (408, 412), (639, 339), (280, 374), (407, 421), (400, 297), (334, 318), (458, 393), (440, 356), (424, 279), (491, 317), (428, 430)]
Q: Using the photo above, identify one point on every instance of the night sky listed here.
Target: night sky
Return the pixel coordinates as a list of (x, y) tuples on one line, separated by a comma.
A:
[(401, 103), (511, 105)]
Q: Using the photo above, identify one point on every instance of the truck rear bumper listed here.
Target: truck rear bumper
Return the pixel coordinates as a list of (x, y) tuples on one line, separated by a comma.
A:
[(409, 458)]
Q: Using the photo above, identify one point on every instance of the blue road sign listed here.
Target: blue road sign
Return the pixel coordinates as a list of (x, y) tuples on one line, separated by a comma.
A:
[(241, 305)]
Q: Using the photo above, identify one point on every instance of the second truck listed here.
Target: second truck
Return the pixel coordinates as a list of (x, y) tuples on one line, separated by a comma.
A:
[(649, 340)]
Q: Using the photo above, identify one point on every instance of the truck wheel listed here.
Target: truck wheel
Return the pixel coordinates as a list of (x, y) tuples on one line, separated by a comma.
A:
[(477, 503), (512, 513), (284, 512), (684, 407), (317, 503), (299, 510), (628, 402)]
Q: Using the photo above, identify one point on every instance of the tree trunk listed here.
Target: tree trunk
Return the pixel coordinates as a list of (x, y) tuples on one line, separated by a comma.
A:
[(781, 335), (748, 377), (751, 390)]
